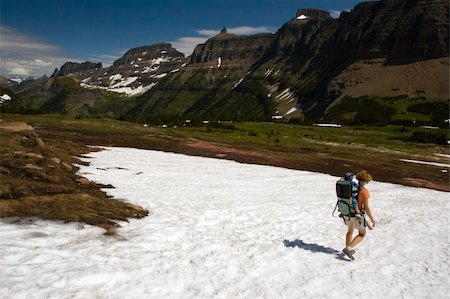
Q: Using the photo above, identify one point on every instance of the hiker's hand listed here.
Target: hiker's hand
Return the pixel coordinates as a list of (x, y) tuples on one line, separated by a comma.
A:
[(373, 223)]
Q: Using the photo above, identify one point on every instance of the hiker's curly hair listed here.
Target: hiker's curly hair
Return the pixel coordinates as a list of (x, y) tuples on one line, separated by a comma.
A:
[(364, 176)]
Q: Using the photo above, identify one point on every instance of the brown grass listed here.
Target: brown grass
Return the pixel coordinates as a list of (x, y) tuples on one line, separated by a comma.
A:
[(38, 179)]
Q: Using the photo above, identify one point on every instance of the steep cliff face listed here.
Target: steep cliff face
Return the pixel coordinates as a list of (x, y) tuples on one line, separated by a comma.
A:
[(400, 31), (228, 48), (299, 69)]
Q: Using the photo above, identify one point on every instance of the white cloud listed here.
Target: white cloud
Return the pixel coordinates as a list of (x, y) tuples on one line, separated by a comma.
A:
[(336, 13), (247, 30), (108, 59), (23, 55), (187, 44), (208, 32), (19, 71)]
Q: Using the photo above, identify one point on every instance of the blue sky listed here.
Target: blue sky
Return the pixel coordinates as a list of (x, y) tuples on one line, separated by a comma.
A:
[(38, 35)]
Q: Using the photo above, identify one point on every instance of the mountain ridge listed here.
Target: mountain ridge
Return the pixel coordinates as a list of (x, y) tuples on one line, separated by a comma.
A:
[(311, 62)]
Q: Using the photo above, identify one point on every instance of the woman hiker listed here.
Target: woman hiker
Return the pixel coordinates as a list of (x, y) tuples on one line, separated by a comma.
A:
[(363, 178)]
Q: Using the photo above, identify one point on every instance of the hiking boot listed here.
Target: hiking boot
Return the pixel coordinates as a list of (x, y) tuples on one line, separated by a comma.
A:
[(349, 253)]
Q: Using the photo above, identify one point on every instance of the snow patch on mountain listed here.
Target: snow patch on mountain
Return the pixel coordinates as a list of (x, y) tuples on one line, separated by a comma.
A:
[(302, 17), (115, 77), (160, 76), (124, 82), (292, 110), (4, 98)]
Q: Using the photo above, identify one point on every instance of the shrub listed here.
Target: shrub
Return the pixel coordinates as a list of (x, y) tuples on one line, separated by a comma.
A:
[(222, 125), (437, 137)]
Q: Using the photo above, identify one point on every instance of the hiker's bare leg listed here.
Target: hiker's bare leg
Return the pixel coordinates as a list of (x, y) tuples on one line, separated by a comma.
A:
[(349, 236), (358, 238)]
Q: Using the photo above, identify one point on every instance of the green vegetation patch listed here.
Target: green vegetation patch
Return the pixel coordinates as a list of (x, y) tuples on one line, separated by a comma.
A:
[(400, 110)]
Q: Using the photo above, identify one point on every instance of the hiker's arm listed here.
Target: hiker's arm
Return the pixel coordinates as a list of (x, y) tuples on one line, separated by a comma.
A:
[(367, 210)]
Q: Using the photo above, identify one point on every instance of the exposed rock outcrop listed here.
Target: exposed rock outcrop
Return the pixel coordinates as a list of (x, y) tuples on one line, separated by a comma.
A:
[(74, 69), (138, 70), (313, 13), (231, 48)]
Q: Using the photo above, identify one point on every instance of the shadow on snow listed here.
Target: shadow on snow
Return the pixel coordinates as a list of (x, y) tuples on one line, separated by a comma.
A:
[(315, 248)]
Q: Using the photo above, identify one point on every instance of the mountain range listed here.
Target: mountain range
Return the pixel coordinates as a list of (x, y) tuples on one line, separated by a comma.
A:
[(307, 70)]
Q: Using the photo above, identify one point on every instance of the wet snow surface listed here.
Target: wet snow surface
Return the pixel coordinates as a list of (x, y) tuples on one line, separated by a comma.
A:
[(221, 229)]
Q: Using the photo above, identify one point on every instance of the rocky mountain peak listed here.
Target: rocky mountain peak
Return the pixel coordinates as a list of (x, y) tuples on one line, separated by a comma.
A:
[(312, 13), (137, 71), (229, 47), (224, 35), (76, 69), (389, 3), (148, 53)]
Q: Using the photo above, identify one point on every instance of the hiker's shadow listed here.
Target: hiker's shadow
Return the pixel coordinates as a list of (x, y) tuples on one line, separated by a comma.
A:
[(315, 248)]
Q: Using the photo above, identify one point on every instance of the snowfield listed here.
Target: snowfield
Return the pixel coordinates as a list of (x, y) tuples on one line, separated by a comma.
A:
[(221, 229)]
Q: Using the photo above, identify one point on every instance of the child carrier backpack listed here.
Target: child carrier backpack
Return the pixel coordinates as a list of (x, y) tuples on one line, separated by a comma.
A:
[(346, 191)]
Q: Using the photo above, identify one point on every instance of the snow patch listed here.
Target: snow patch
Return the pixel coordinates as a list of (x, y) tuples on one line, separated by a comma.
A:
[(150, 69), (267, 74), (5, 97), (429, 127), (328, 125), (237, 238), (17, 80), (160, 76), (239, 82), (160, 60), (124, 82), (219, 61), (285, 95), (302, 17), (121, 87), (292, 110), (115, 77), (143, 89), (426, 163)]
